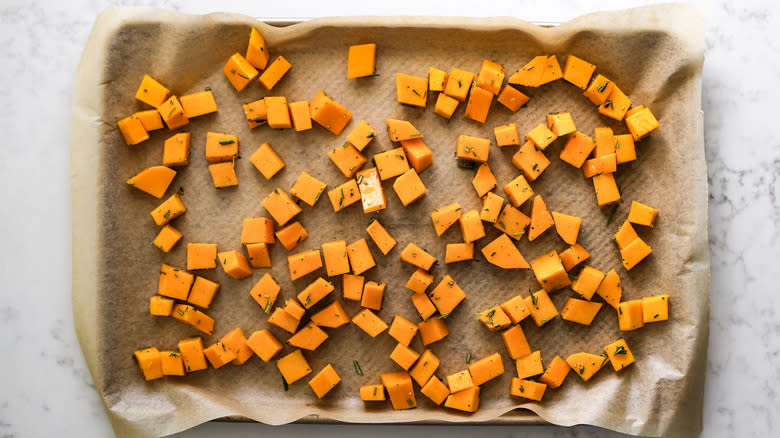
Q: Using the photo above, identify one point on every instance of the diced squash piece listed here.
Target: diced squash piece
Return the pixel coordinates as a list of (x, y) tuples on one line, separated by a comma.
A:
[(633, 110), (630, 315), (478, 105), (336, 259), (153, 180), (598, 91), (641, 123), (352, 287), (391, 163), (605, 142), (516, 309), (291, 235), (344, 195), (552, 70), (549, 271), (221, 147), (625, 151), (328, 113), (466, 400), (198, 104), (578, 72), (437, 79), (383, 240), (361, 136), (308, 188), (416, 256), (472, 148), (610, 289), (399, 389), (459, 381), (236, 341), (445, 216), (541, 306), (293, 367), (411, 90), (304, 263), (486, 369), (529, 389), (372, 392), (282, 319), (424, 305), (150, 119), (361, 60), (264, 344), (580, 311), (518, 190), (634, 252), (202, 292), (256, 113), (426, 365), (529, 365), (471, 227), (174, 282), (176, 150), (152, 92), (541, 219), (445, 106), (555, 373), (315, 292), (280, 206), (530, 75), (573, 256), (150, 362), (239, 71), (435, 390), (399, 130), (373, 292), (371, 193), (587, 282), (404, 356), (616, 105), (560, 124), (655, 308), (600, 165), (491, 76), (494, 318), (191, 350), (160, 306), (458, 252), (577, 149), (278, 112), (172, 113), (409, 187), (299, 113), (542, 136), (193, 317), (223, 174), (257, 230), (309, 337), (265, 292), (483, 180), (324, 381), (235, 264), (257, 52), (267, 161), (513, 222), (360, 257), (516, 342), (625, 235), (458, 84), (402, 330), (447, 295), (507, 135), (219, 355), (642, 214), (568, 227), (420, 156), (619, 354), (348, 159), (331, 316), (419, 281), (274, 72), (504, 254), (369, 322), (491, 207), (530, 160), (512, 98), (606, 188), (433, 330), (295, 309)]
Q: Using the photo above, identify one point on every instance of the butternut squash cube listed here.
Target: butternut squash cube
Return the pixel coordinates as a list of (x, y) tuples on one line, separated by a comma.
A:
[(578, 72), (478, 105), (409, 187), (391, 163), (256, 113), (573, 256), (599, 90), (642, 214), (361, 61), (265, 292), (491, 207), (605, 142), (424, 305), (352, 287), (361, 136), (459, 381), (264, 344), (198, 104), (445, 106), (512, 98), (278, 112), (568, 227), (160, 306), (294, 308), (372, 392), (152, 92), (411, 90), (641, 123), (504, 254), (518, 190), (300, 115), (399, 389), (587, 282), (315, 292), (324, 381), (606, 188), (419, 155), (304, 263), (150, 119), (282, 319), (332, 316), (360, 257), (293, 367), (172, 113), (348, 159), (472, 148), (433, 330), (426, 365), (516, 342), (560, 124), (416, 256), (494, 318), (458, 84), (619, 354), (328, 113), (132, 130), (447, 295), (153, 180), (555, 373), (369, 322), (435, 390), (191, 350), (257, 230), (236, 341), (235, 264), (336, 259), (630, 315), (634, 252), (445, 216), (239, 71), (527, 389), (221, 147), (541, 219), (193, 317), (577, 149), (484, 180), (486, 369), (383, 240), (437, 79), (257, 52), (174, 282), (373, 292), (549, 271), (530, 75), (150, 362), (610, 289), (529, 365), (292, 235), (419, 281), (402, 330), (267, 161), (274, 72), (280, 206), (580, 311), (399, 130), (491, 76), (404, 356), (600, 165), (655, 308), (466, 400), (344, 195), (308, 188), (625, 235), (530, 160), (616, 105), (625, 151), (516, 309), (459, 252), (223, 174), (471, 227), (309, 337), (371, 193), (541, 306), (513, 223), (202, 292), (507, 135), (176, 150)]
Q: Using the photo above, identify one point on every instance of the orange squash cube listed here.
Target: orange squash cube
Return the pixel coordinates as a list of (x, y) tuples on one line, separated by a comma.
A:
[(641, 123), (328, 113), (541, 219), (160, 306), (541, 306), (399, 389), (369, 322), (560, 124), (437, 79), (491, 207), (642, 214), (578, 72), (447, 295), (419, 155), (491, 76), (236, 341), (336, 259), (466, 400), (299, 113), (619, 354), (198, 104), (344, 195), (291, 235), (555, 373), (580, 311), (483, 180), (423, 305), (404, 356), (280, 206), (516, 342), (399, 130), (277, 112), (174, 282), (416, 256), (132, 130), (459, 252), (458, 84), (239, 71), (409, 187), (191, 350), (372, 392), (573, 256), (309, 337), (264, 344), (267, 161), (426, 365), (478, 105), (373, 292), (202, 292), (617, 104), (176, 150), (586, 365), (518, 190), (352, 287), (282, 319), (577, 149), (360, 257), (471, 227), (445, 216), (274, 72), (193, 317), (315, 292), (256, 113), (472, 148), (419, 281), (435, 390), (411, 90), (634, 252), (529, 365), (219, 355), (150, 362), (257, 230), (433, 330), (223, 174), (402, 330), (293, 367), (152, 92), (527, 389), (655, 308), (445, 106), (507, 135), (308, 189), (587, 282), (549, 271), (391, 163), (568, 227), (150, 119), (371, 193), (598, 91), (460, 381), (494, 318), (324, 381), (265, 292), (530, 160), (516, 309), (630, 315), (257, 51), (514, 224), (486, 369), (512, 98), (235, 264), (361, 136), (610, 289), (383, 240), (332, 316), (348, 159), (167, 238)]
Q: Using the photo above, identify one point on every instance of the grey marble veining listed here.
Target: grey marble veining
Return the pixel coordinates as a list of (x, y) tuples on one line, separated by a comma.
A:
[(44, 384)]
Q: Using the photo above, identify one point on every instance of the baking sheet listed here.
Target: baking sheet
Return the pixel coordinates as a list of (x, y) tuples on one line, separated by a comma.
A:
[(654, 54)]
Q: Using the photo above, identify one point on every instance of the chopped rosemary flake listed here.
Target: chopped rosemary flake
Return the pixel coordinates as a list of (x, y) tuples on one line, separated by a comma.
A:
[(226, 142), (533, 299), (468, 358), (358, 371), (602, 87), (410, 402), (443, 315), (620, 350), (243, 75), (167, 213)]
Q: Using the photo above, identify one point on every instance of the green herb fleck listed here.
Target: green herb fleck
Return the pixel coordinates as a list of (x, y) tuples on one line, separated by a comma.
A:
[(410, 402), (180, 312), (243, 76), (468, 358), (533, 299), (443, 315), (358, 371), (620, 350), (167, 213), (226, 142)]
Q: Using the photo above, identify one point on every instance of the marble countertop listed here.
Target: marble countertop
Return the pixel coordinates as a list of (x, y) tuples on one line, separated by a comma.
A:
[(45, 386)]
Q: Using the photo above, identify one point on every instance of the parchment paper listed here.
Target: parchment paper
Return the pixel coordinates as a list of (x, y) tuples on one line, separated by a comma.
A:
[(654, 54)]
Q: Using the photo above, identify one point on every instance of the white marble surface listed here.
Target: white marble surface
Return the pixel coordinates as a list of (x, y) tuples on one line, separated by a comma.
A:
[(45, 387)]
